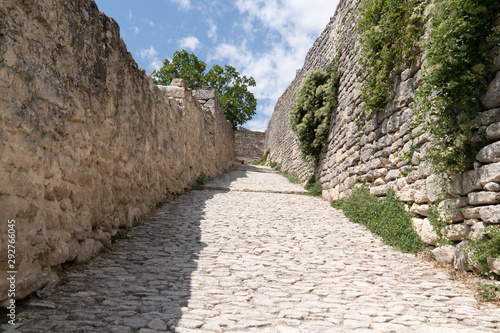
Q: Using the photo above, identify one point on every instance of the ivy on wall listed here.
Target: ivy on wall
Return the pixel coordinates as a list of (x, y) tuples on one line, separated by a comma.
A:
[(311, 114), (389, 31), (459, 48)]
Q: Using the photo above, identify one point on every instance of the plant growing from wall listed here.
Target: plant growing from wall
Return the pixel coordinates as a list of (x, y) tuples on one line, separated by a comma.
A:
[(389, 31), (385, 217), (311, 114), (462, 35), (484, 246)]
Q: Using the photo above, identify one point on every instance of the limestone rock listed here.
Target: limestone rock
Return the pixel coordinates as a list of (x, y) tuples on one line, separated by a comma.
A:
[(456, 232), (494, 265), (470, 181), (460, 257), (444, 254), (379, 191), (492, 186), (489, 117), (483, 198), (490, 214), (471, 212), (86, 250), (450, 211), (477, 230), (493, 131), (420, 209), (426, 231), (490, 153), (492, 97), (489, 173)]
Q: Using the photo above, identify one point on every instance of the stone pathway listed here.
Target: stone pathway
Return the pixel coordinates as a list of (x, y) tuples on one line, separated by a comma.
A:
[(253, 260)]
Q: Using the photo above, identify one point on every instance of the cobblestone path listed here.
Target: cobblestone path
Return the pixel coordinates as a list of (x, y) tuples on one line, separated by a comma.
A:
[(241, 257)]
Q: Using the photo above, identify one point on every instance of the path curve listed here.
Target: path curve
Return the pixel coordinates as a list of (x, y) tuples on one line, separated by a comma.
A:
[(250, 254)]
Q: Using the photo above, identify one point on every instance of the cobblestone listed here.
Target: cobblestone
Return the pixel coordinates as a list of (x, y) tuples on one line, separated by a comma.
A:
[(240, 256)]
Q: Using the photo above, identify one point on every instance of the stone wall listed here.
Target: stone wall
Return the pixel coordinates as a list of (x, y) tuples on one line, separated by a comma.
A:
[(372, 153), (249, 145), (87, 143)]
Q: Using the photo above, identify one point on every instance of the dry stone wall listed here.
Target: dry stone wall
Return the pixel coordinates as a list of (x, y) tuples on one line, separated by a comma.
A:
[(87, 143), (370, 150), (249, 145)]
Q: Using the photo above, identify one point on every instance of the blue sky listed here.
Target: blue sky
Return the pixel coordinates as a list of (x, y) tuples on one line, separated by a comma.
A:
[(266, 39)]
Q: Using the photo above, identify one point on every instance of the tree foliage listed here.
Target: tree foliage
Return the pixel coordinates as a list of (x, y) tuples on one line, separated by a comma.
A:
[(311, 114), (236, 101)]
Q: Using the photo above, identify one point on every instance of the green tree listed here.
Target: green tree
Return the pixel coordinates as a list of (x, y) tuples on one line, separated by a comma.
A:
[(236, 101)]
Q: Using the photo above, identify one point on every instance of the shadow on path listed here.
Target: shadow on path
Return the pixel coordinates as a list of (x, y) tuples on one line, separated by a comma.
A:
[(141, 285)]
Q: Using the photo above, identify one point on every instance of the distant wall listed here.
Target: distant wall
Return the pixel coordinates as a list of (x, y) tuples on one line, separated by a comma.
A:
[(87, 142), (370, 151), (249, 144)]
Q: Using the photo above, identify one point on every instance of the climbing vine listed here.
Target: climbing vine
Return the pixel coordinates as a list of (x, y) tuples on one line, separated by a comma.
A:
[(389, 31), (459, 48), (311, 114)]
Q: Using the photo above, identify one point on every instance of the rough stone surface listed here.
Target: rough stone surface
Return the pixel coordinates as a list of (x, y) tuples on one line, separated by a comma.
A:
[(87, 142), (236, 261), (249, 144), (494, 265), (484, 198), (490, 153), (490, 214), (492, 98), (426, 231), (456, 232), (444, 254)]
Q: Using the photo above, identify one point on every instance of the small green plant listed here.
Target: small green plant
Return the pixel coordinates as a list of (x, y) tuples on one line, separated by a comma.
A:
[(311, 114), (389, 34), (200, 181), (119, 235), (106, 247), (483, 247), (291, 176), (273, 164), (435, 218), (489, 292), (159, 205), (81, 266), (263, 159), (313, 187), (385, 217)]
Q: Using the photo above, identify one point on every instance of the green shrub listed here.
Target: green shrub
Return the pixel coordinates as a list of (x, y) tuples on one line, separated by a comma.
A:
[(201, 179), (263, 159), (291, 176), (481, 248), (311, 114), (313, 187), (459, 49), (273, 164), (389, 31), (385, 217)]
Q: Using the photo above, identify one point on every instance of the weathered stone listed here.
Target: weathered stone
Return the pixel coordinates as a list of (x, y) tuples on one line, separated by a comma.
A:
[(490, 214), (470, 181), (492, 97), (392, 174), (494, 265), (489, 173), (483, 198), (494, 187), (421, 196), (490, 153), (450, 211), (86, 250), (471, 212), (426, 231), (460, 257), (456, 232), (407, 193), (379, 191), (420, 209), (493, 131), (489, 117), (477, 230), (444, 254)]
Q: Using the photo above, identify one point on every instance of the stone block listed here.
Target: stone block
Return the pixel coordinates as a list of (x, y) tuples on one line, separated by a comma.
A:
[(493, 131), (421, 196), (444, 254), (407, 193), (489, 117), (449, 211), (490, 214), (456, 232), (492, 186), (477, 230), (179, 83), (175, 92), (471, 212), (470, 181), (489, 173), (490, 153), (460, 257), (420, 209), (492, 97), (392, 174), (426, 231), (206, 93), (379, 191), (483, 198), (494, 265)]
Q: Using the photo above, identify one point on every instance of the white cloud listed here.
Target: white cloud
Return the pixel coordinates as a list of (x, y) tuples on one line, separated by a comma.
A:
[(183, 4), (191, 43), (290, 28), (152, 56), (212, 32), (257, 125), (130, 15), (136, 29)]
